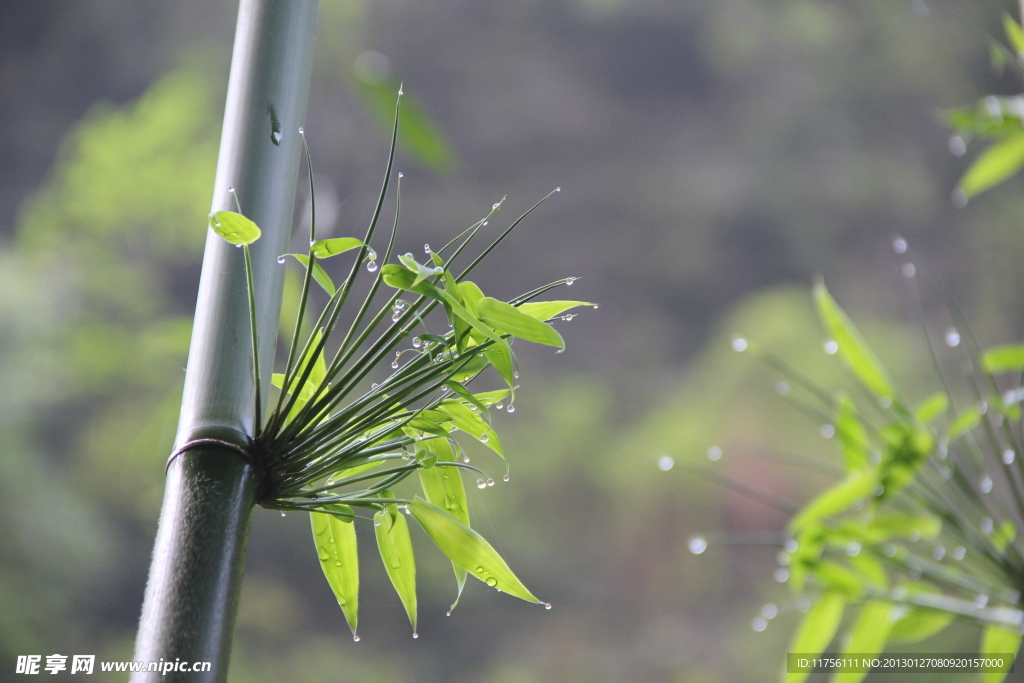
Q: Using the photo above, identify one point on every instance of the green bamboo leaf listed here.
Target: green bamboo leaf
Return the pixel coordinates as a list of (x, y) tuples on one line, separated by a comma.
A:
[(471, 295), (501, 358), (510, 320), (335, 246), (319, 274), (852, 347), (1014, 34), (1004, 535), (837, 578), (996, 164), (867, 636), (471, 423), (401, 277), (468, 549), (890, 525), (918, 624), (817, 629), (443, 487), (234, 227), (871, 568), (465, 393), (964, 422), (839, 498), (932, 407), (472, 367), (395, 546), (419, 270), (545, 310), (1009, 358), (336, 547), (853, 438), (996, 640)]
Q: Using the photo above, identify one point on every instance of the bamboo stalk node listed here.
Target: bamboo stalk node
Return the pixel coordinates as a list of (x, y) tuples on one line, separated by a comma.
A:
[(196, 443)]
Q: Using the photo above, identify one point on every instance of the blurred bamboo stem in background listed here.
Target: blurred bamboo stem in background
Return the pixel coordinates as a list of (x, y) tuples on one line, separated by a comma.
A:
[(198, 558)]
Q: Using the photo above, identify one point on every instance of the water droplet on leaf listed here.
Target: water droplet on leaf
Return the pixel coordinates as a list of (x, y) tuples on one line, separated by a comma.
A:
[(698, 545), (280, 259), (899, 245), (739, 344), (371, 266), (831, 347), (666, 462)]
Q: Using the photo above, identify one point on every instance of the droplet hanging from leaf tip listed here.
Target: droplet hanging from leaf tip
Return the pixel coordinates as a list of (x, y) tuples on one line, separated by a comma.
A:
[(415, 635), (355, 637), (231, 189), (371, 266), (547, 605), (952, 337), (302, 131)]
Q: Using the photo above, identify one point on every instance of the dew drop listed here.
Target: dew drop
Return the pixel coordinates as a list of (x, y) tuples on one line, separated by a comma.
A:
[(698, 545), (885, 402), (899, 245), (276, 137), (484, 224), (831, 347), (939, 552), (374, 385), (782, 559), (238, 246), (952, 337), (511, 408), (827, 431), (499, 405), (985, 484), (490, 482), (714, 454), (355, 638), (782, 575), (759, 624), (986, 525), (739, 344), (465, 459), (426, 248), (376, 522), (890, 550), (505, 478), (231, 189), (853, 549), (781, 388), (957, 146), (302, 131), (491, 581), (484, 438), (481, 484), (981, 601), (417, 342), (959, 198), (401, 92), (908, 270), (547, 605), (394, 365), (415, 635), (283, 514), (280, 259), (371, 266), (1008, 456), (494, 207), (401, 175), (448, 613), (479, 570), (791, 546), (666, 462), (960, 552), (769, 611)]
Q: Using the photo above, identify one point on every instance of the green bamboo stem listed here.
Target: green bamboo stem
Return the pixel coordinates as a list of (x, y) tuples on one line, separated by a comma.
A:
[(198, 557)]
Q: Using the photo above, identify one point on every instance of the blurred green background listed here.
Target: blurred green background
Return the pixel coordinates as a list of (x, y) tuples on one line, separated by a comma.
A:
[(713, 156)]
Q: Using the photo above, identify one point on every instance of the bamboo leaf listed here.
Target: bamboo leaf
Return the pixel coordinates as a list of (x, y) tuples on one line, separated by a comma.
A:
[(932, 407), (335, 246), (853, 438), (468, 549), (996, 640), (234, 227), (395, 548), (510, 320), (852, 347), (886, 526), (545, 310), (964, 422), (471, 423), (443, 487), (420, 271), (1004, 535), (817, 629), (837, 499), (867, 636), (919, 624), (319, 274), (471, 295), (996, 164), (1014, 34), (336, 547), (1009, 358), (501, 358), (464, 393)]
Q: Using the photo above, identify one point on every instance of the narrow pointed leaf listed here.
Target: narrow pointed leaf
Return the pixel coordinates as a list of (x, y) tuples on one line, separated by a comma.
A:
[(996, 164), (852, 347), (443, 487), (510, 320), (419, 270), (395, 548), (545, 310), (234, 227), (932, 407), (335, 246), (336, 547), (501, 358), (867, 637), (853, 438), (1014, 34), (837, 499), (998, 641), (465, 393), (471, 295), (964, 422), (468, 549), (919, 624), (319, 274), (1009, 358), (817, 629), (471, 423)]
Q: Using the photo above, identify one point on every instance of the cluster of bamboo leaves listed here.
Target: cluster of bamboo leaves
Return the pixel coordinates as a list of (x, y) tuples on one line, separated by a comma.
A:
[(921, 527), (336, 447), (997, 120)]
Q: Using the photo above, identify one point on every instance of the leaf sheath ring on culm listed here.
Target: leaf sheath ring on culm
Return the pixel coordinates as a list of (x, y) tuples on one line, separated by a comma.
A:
[(197, 443)]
